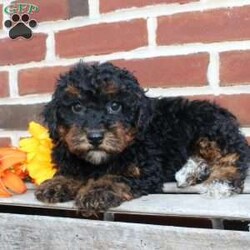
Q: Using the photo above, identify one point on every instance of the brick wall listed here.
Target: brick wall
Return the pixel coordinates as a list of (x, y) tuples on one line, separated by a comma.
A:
[(195, 48)]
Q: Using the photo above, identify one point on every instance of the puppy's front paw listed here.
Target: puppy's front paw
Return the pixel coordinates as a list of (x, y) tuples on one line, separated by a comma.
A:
[(95, 199), (58, 189)]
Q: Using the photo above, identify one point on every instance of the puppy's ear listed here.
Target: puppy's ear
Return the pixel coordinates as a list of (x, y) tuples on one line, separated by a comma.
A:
[(50, 118)]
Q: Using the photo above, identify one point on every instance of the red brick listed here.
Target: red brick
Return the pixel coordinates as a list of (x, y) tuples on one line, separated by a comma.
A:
[(17, 117), (49, 10), (5, 142), (248, 140), (208, 26), (4, 84), (234, 67), (238, 105), (209, 98), (111, 5), (101, 39), (78, 8), (1, 16), (39, 80), (22, 51), (176, 71)]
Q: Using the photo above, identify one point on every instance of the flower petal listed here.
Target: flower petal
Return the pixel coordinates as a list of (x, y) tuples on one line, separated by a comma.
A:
[(29, 144), (4, 193), (46, 143), (20, 170), (44, 150), (13, 182), (45, 175), (8, 158), (43, 159), (38, 131), (35, 168), (31, 156)]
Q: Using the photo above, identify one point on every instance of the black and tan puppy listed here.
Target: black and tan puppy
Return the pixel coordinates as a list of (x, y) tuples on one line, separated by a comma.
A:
[(112, 143)]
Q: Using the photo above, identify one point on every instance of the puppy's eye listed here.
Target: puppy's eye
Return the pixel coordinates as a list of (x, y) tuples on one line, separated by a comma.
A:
[(77, 107), (114, 107)]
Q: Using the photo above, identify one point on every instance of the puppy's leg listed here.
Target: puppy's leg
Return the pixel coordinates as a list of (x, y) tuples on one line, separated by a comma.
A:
[(99, 195), (193, 172), (225, 178), (58, 189)]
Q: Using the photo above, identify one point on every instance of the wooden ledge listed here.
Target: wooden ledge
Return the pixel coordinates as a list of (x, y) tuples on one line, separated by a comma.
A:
[(43, 232), (184, 205), (173, 203)]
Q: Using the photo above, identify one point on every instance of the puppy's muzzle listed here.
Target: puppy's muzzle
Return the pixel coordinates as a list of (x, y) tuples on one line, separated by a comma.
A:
[(95, 137)]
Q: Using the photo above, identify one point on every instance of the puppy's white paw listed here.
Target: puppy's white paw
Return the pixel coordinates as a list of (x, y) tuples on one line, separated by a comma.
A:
[(192, 172), (217, 190), (184, 175)]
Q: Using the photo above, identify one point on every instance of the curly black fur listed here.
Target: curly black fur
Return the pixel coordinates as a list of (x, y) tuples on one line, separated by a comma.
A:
[(158, 135)]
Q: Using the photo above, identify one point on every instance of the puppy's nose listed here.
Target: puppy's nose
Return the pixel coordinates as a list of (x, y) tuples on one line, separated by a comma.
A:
[(95, 137)]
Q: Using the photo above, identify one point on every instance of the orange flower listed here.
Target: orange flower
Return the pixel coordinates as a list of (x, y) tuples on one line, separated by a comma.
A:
[(11, 172)]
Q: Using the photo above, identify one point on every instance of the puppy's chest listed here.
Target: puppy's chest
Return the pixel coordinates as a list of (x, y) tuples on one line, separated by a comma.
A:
[(130, 170), (120, 167)]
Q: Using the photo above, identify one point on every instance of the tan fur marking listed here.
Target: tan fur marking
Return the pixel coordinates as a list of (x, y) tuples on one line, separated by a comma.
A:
[(223, 173), (73, 91), (76, 140), (225, 169), (208, 150), (125, 136), (117, 139), (110, 88), (62, 131), (133, 171), (229, 159), (223, 166)]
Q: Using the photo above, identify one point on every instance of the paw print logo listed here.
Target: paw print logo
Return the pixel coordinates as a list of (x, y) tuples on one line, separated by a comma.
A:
[(20, 26)]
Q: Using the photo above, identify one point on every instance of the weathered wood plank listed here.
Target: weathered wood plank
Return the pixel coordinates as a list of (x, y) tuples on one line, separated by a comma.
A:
[(236, 207), (38, 232), (191, 205), (28, 200)]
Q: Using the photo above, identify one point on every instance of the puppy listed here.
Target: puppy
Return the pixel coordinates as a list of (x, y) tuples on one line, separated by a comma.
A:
[(113, 143)]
